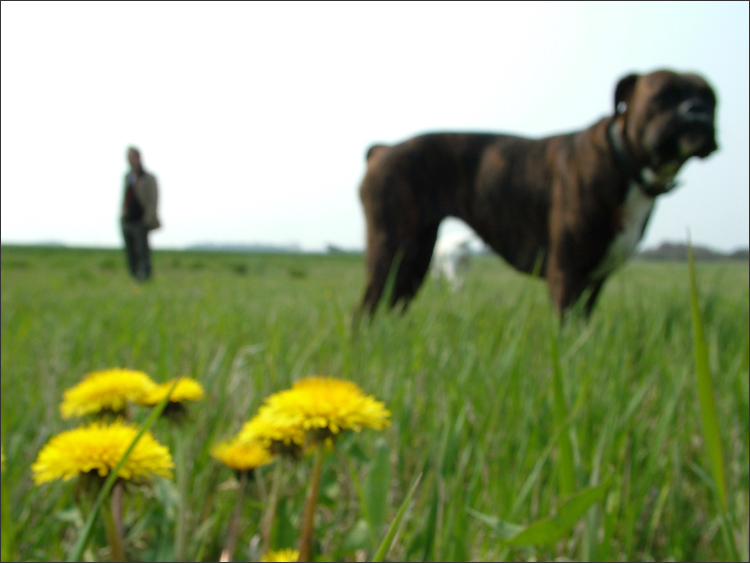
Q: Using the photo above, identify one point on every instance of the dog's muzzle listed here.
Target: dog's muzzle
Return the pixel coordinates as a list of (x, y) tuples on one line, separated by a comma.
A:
[(697, 130)]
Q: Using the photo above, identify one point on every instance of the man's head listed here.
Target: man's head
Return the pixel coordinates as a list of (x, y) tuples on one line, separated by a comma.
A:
[(134, 158)]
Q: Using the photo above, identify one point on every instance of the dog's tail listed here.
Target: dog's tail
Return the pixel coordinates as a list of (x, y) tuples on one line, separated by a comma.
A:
[(374, 151)]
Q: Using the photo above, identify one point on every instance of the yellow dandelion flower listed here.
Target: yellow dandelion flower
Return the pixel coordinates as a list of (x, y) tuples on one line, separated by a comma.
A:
[(280, 556), (314, 404), (100, 447), (269, 426), (332, 404), (186, 390), (2, 460), (241, 456), (105, 390)]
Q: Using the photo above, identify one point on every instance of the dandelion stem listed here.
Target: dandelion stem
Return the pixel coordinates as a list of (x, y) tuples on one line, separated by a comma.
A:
[(234, 524), (270, 514), (306, 535), (117, 493), (113, 534), (181, 477)]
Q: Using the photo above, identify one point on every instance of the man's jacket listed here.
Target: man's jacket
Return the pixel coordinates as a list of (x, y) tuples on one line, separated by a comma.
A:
[(146, 192)]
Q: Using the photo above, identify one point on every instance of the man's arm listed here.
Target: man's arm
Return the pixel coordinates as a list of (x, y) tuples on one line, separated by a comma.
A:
[(148, 194)]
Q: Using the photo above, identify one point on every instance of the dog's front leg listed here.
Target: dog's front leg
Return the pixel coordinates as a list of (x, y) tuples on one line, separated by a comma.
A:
[(566, 286)]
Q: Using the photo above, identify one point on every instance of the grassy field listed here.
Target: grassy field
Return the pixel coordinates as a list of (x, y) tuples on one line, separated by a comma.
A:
[(506, 417)]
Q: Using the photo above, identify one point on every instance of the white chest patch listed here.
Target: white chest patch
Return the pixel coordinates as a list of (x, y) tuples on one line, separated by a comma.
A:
[(635, 211)]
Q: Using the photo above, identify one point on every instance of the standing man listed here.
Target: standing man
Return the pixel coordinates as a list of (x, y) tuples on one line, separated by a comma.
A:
[(139, 215)]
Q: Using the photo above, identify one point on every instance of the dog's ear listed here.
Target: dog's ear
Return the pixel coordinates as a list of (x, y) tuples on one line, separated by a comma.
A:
[(623, 92), (373, 151)]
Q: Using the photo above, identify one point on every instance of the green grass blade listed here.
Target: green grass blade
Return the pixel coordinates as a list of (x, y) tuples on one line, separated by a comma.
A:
[(77, 552), (706, 399), (552, 529), (547, 530), (377, 484), (505, 530), (6, 540), (390, 284), (565, 461), (373, 496), (709, 416), (363, 506), (535, 473), (428, 552), (388, 539)]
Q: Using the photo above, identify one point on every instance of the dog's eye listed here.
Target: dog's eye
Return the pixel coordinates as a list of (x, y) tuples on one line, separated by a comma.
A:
[(668, 97)]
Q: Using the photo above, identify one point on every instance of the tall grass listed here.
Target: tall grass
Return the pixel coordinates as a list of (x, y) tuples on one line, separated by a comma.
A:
[(505, 416)]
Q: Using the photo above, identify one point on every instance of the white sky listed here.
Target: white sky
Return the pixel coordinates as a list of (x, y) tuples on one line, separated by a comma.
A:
[(256, 117)]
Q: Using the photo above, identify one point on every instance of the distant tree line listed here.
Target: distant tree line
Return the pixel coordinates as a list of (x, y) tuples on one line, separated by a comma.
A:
[(679, 252), (246, 247)]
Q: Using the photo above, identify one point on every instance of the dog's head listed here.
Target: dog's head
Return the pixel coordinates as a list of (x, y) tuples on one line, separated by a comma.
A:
[(667, 118)]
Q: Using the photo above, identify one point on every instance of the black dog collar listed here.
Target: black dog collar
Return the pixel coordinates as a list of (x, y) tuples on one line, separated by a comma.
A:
[(651, 189)]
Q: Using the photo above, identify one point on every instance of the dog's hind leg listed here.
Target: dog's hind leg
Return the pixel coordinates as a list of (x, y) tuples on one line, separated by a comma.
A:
[(379, 262), (415, 255), (591, 298), (398, 266)]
